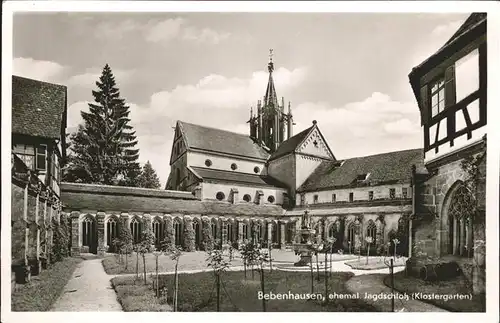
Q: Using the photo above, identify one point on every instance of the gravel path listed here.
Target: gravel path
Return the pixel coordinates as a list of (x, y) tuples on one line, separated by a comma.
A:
[(88, 290)]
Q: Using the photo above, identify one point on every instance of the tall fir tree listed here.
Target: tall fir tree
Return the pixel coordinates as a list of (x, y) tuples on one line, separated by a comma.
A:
[(102, 151), (148, 177)]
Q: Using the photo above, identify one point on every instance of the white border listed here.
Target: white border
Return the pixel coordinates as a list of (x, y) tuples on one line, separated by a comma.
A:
[(493, 165)]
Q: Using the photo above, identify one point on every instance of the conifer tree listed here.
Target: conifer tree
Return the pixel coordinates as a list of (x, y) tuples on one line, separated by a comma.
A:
[(102, 150), (148, 177)]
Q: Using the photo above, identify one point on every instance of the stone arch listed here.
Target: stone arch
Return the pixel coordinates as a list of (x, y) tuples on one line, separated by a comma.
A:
[(89, 233), (158, 226), (112, 223), (275, 232), (456, 221), (136, 227), (371, 231), (214, 226), (178, 225), (351, 235), (197, 227)]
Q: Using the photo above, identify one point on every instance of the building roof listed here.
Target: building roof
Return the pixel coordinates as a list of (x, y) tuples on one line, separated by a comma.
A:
[(290, 144), (208, 174), (476, 22), (108, 198), (38, 108), (383, 168), (221, 141)]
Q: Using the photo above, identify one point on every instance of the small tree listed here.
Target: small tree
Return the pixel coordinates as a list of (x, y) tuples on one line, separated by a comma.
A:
[(368, 240), (148, 177), (260, 258), (206, 235), (395, 242), (189, 235), (219, 265), (169, 239), (175, 254), (145, 246), (125, 240)]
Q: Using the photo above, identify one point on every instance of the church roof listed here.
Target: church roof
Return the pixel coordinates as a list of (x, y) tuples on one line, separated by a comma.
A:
[(290, 144), (220, 141), (130, 199), (216, 175), (38, 108), (386, 168)]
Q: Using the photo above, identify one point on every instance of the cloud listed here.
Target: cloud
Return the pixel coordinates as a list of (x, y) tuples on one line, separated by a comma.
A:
[(436, 39), (112, 30), (39, 70), (364, 127), (180, 28), (92, 75), (74, 116)]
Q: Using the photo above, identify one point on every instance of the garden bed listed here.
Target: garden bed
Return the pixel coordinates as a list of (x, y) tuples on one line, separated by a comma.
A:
[(197, 293), (43, 290), (458, 285)]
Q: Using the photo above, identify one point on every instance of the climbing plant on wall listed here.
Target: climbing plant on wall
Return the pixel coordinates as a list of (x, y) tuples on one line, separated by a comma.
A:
[(189, 235), (168, 240), (206, 235)]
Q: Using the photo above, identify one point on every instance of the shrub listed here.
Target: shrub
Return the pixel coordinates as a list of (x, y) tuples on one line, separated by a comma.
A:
[(206, 235), (61, 239), (189, 235), (168, 240), (124, 237)]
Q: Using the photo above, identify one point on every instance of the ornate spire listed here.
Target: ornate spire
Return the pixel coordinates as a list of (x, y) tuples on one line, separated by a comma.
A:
[(270, 99)]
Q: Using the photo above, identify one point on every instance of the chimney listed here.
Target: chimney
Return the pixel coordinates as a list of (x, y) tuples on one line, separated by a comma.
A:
[(197, 192), (260, 197), (234, 194)]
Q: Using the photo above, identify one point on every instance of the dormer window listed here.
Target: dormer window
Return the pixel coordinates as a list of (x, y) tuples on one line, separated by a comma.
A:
[(362, 177)]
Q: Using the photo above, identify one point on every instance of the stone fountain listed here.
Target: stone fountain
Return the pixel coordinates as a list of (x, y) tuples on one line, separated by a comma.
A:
[(305, 245)]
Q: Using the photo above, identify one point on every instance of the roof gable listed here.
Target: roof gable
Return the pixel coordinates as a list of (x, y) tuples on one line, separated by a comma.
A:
[(38, 108), (382, 168), (220, 141), (290, 144), (315, 144)]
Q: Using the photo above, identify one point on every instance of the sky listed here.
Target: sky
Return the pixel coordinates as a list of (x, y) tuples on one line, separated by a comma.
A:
[(348, 71)]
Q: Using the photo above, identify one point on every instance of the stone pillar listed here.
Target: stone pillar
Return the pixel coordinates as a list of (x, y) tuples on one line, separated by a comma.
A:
[(282, 230), (455, 240), (100, 233), (223, 223), (462, 236), (319, 230), (75, 233)]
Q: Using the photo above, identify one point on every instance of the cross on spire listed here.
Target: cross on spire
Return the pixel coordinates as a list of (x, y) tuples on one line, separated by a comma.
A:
[(270, 66)]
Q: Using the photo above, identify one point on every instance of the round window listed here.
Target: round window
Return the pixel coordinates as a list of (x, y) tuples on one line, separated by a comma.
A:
[(220, 196), (208, 163), (270, 199), (247, 198), (256, 169), (233, 166)]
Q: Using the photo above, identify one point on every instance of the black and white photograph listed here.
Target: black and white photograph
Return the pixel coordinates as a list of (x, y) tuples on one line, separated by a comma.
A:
[(196, 160)]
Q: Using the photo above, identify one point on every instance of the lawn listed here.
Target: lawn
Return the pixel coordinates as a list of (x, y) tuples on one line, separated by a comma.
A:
[(374, 263), (44, 289), (197, 293), (456, 285)]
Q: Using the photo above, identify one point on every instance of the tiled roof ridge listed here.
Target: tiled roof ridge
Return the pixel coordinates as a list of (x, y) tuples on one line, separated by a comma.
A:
[(39, 81), (66, 186), (213, 128), (380, 154)]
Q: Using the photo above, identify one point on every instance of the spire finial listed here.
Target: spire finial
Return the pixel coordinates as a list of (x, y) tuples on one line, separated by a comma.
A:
[(270, 66)]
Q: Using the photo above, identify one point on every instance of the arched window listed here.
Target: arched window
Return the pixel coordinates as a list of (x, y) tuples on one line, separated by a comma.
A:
[(274, 233), (290, 232), (332, 231), (178, 232), (460, 223), (197, 233), (220, 196), (158, 230), (351, 234), (247, 198), (245, 231), (214, 229), (135, 229), (111, 230), (257, 234), (229, 232), (371, 231), (88, 232)]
